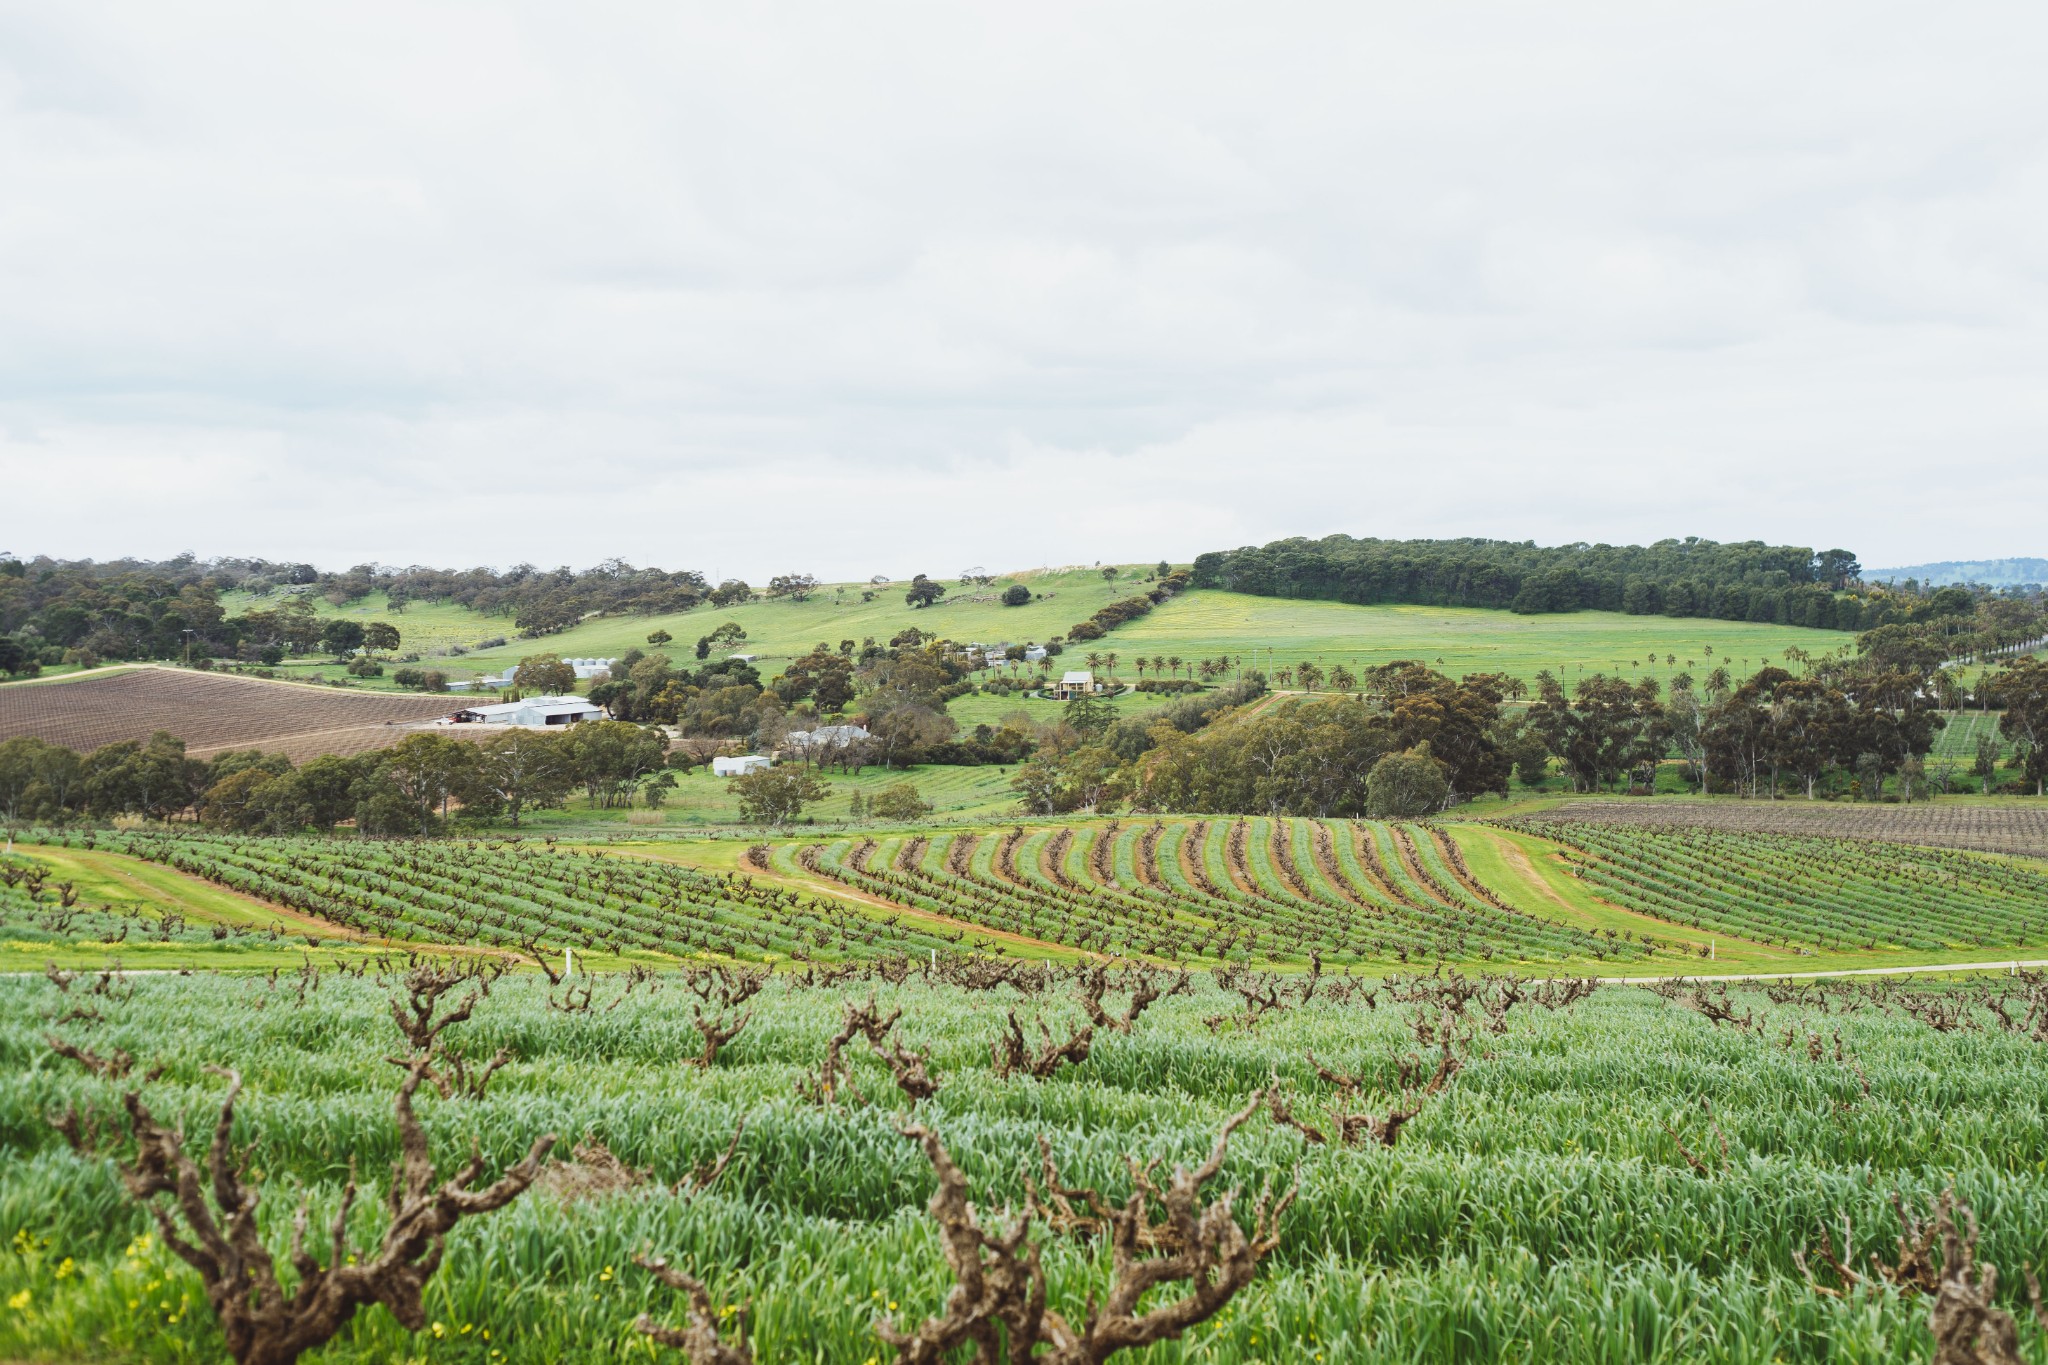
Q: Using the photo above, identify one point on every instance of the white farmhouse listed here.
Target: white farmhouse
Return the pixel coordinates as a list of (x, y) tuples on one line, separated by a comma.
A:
[(735, 767)]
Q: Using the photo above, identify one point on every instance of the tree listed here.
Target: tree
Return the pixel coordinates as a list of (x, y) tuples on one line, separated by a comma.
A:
[(727, 635), (421, 776), (797, 587), (380, 635), (1016, 595), (155, 779), (776, 796), (15, 659), (342, 637), (902, 801), (610, 758), (659, 638), (924, 591), (1405, 786), (1608, 728), (904, 729), (523, 769), (1109, 572), (544, 674), (325, 788), (1089, 716), (2023, 690), (731, 592), (1986, 765)]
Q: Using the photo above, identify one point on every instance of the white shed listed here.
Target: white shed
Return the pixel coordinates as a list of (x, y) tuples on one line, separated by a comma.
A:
[(746, 763), (533, 711)]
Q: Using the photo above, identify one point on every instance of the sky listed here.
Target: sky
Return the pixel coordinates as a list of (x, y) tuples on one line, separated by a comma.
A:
[(879, 288)]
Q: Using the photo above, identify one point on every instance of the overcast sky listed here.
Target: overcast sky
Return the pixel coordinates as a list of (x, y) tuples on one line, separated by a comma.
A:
[(854, 289)]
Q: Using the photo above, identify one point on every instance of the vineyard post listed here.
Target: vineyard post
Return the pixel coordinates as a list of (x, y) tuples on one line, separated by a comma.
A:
[(568, 960)]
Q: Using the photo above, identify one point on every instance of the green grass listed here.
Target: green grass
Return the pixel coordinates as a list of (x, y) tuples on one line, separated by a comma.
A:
[(1197, 625), (1538, 1211), (700, 798), (1455, 640)]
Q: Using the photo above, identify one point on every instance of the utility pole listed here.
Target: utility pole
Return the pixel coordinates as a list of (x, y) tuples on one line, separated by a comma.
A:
[(188, 646)]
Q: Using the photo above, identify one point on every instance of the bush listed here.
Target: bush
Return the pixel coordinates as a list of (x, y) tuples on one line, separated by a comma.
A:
[(363, 666), (1170, 685), (1016, 595)]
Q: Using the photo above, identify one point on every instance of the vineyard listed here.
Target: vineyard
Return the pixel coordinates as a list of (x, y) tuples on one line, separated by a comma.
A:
[(210, 712), (1428, 1168), (1282, 890), (529, 898), (2015, 829), (1807, 892)]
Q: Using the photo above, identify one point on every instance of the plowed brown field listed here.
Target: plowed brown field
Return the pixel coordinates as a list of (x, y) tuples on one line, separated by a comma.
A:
[(212, 712)]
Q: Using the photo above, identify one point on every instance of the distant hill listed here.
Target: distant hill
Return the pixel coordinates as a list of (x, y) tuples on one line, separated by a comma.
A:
[(1995, 573)]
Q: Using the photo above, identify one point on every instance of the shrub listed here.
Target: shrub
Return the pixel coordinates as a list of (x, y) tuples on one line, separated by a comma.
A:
[(1016, 595)]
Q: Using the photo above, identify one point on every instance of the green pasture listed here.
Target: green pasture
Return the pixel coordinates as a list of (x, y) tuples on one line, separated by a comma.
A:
[(1259, 631), (1455, 640), (1541, 1209)]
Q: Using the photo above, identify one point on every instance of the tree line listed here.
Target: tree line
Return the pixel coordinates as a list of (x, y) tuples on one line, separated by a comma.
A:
[(413, 788), (1741, 581)]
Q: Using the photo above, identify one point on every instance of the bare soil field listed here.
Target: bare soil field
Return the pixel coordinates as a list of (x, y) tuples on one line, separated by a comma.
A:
[(1985, 829), (211, 712)]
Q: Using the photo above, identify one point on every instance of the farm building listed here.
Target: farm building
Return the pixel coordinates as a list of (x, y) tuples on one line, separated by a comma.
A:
[(1034, 654), (587, 669), (1076, 682), (746, 763), (827, 737), (531, 711)]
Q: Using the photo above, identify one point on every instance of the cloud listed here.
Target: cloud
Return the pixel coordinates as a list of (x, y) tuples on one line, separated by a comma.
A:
[(906, 288)]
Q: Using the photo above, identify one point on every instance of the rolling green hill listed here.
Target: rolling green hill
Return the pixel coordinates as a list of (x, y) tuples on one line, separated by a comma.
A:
[(1202, 624)]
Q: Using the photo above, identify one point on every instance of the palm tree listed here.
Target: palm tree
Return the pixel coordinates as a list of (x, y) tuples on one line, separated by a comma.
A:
[(1173, 663), (1143, 663), (1109, 660), (1093, 661), (1158, 664)]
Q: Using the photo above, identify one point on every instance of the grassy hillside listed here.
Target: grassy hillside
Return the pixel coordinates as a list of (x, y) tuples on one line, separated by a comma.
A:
[(1198, 625)]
